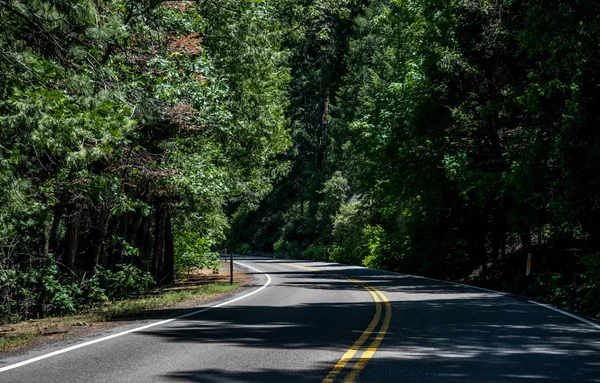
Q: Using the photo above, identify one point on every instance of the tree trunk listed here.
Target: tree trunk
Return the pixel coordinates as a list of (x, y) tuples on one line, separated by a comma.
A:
[(97, 243), (46, 239), (134, 227), (323, 123), (72, 238), (142, 242), (169, 264), (122, 234), (158, 255), (58, 213)]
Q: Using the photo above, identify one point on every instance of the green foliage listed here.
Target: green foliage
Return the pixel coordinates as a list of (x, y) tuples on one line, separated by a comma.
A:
[(333, 196), (468, 128), (591, 299), (349, 233), (287, 249), (131, 132), (58, 295), (51, 292), (244, 249), (279, 246), (378, 245), (548, 286), (317, 253), (193, 251), (440, 138), (136, 305), (125, 281)]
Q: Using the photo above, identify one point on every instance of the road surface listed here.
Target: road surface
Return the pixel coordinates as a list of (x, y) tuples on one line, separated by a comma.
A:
[(310, 321)]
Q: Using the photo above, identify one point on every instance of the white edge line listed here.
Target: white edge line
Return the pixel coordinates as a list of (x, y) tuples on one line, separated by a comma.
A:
[(549, 307), (75, 347), (595, 325), (508, 295)]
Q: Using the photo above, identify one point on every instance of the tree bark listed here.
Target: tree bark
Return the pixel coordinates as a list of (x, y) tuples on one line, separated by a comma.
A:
[(58, 213), (97, 243), (169, 252), (122, 234), (72, 238), (323, 123), (142, 242), (158, 255)]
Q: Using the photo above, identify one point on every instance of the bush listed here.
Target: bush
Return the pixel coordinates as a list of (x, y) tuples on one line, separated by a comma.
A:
[(279, 246), (348, 234), (287, 249), (113, 285), (243, 249), (548, 286), (378, 246), (591, 299), (317, 253), (193, 251), (333, 195), (56, 295)]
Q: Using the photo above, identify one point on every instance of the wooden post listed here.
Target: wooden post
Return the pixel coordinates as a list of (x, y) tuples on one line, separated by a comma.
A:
[(231, 269)]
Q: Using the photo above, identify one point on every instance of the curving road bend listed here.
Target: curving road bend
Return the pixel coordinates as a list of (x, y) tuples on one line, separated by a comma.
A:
[(314, 321)]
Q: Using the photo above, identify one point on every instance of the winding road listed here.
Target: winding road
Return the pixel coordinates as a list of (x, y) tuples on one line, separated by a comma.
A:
[(314, 321)]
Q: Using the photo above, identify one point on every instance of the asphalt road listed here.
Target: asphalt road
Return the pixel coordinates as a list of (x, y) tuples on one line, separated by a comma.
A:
[(304, 324)]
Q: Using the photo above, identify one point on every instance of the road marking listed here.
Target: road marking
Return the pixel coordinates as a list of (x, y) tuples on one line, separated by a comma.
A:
[(64, 350), (595, 325), (339, 366), (364, 359), (508, 295), (304, 267), (366, 356)]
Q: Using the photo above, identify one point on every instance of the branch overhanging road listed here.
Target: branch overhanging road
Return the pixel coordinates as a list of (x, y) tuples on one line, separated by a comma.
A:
[(313, 321)]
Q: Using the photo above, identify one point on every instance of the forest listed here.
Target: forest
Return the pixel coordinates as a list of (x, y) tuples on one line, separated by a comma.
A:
[(450, 139)]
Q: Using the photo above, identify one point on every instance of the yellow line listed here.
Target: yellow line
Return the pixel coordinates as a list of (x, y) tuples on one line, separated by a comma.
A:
[(366, 356), (339, 366), (364, 359), (303, 267)]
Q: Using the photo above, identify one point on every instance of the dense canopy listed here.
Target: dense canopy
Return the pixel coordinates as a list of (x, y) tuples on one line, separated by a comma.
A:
[(441, 138)]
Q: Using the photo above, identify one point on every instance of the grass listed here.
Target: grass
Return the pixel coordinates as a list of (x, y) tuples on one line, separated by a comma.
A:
[(168, 298), (24, 333), (16, 340)]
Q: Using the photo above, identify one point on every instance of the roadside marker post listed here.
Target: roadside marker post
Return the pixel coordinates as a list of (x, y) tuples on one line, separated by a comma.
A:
[(528, 269), (231, 269)]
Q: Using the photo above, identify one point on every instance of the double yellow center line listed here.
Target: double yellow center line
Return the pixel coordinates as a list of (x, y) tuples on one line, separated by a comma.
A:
[(359, 364)]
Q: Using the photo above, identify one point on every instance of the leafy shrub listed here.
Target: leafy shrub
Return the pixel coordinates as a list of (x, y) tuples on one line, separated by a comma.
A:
[(377, 244), (93, 292), (591, 299), (44, 291), (212, 261), (193, 251), (333, 195), (548, 286), (243, 249), (317, 253), (348, 234), (279, 246), (129, 280)]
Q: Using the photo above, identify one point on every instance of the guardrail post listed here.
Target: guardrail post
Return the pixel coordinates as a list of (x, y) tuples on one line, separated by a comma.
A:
[(231, 269)]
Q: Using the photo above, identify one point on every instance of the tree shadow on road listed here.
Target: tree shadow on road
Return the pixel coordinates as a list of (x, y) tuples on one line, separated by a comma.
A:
[(439, 332)]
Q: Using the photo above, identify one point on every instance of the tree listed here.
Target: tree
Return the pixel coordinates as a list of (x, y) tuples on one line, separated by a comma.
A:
[(122, 136)]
